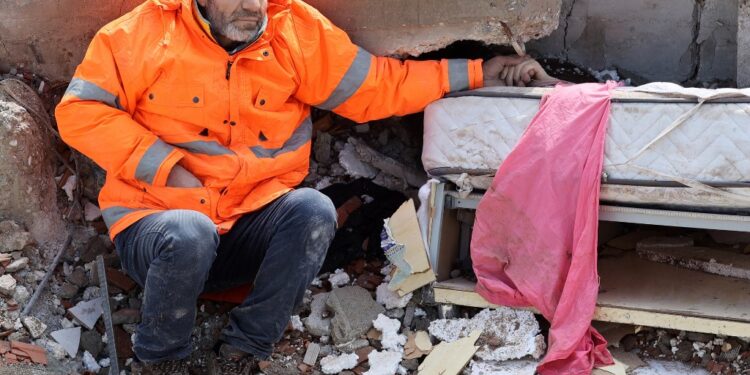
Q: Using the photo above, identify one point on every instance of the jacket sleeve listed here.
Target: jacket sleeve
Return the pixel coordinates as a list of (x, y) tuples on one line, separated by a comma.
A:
[(337, 75), (95, 118)]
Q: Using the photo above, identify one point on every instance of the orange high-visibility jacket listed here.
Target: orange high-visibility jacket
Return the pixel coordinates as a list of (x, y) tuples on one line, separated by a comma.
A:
[(154, 90)]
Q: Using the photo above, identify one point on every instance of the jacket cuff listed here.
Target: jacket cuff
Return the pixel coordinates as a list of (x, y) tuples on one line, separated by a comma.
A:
[(463, 74)]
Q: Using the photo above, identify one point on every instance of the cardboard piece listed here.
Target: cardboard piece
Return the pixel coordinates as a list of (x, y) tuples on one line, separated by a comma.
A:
[(450, 358), (408, 253)]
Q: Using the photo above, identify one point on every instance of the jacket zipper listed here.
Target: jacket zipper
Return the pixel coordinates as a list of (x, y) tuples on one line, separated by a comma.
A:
[(229, 69)]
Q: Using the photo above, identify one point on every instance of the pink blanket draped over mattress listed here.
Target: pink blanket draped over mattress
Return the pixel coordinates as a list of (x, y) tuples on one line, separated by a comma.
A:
[(535, 236)]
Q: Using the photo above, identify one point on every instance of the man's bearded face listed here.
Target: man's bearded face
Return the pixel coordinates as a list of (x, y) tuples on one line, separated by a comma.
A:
[(236, 20)]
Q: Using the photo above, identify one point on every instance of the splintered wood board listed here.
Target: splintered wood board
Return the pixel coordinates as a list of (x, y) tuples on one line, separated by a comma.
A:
[(639, 292)]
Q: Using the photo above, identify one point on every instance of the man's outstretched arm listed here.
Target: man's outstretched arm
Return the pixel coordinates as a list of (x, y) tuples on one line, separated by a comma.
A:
[(338, 75)]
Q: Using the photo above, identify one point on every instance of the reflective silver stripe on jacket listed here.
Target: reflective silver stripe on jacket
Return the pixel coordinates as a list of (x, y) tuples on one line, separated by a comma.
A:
[(151, 160), (299, 138), (458, 75), (351, 82), (85, 90)]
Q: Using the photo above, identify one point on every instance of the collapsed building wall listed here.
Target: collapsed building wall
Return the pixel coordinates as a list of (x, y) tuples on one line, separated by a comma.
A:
[(683, 41)]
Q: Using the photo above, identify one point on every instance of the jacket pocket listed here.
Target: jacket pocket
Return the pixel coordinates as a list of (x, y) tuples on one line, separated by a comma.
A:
[(174, 198), (173, 108)]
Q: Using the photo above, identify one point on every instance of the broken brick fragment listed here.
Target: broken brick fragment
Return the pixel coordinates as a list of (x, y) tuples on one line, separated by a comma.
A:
[(119, 279), (36, 353)]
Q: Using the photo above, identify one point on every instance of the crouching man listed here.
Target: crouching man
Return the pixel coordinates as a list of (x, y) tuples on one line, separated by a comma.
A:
[(199, 111)]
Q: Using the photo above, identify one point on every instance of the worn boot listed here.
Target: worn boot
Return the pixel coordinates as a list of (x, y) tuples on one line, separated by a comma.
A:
[(232, 361), (196, 364)]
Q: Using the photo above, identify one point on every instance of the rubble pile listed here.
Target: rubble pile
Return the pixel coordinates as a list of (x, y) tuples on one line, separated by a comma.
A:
[(717, 354)]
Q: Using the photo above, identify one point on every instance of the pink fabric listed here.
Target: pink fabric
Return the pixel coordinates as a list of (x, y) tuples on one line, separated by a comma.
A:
[(535, 236)]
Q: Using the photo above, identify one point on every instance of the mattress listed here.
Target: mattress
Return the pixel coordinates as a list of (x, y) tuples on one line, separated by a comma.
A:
[(467, 137)]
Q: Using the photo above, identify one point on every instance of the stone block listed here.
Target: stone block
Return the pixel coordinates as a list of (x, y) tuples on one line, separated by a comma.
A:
[(354, 311)]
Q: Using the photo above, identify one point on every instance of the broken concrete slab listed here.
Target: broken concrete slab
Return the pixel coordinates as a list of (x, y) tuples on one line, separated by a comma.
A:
[(316, 323), (354, 310), (407, 27), (506, 333), (35, 326), (715, 261), (743, 44), (69, 338), (87, 312), (7, 285)]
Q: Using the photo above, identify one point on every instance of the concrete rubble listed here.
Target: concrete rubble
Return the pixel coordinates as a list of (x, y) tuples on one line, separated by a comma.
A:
[(506, 333), (354, 310)]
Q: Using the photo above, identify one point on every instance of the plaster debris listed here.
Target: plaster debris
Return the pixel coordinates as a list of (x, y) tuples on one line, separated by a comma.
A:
[(89, 363), (69, 338), (335, 364), (105, 362), (506, 333), (518, 367), (391, 339), (7, 285), (383, 362), (317, 324), (297, 323), (339, 278), (391, 299), (35, 326)]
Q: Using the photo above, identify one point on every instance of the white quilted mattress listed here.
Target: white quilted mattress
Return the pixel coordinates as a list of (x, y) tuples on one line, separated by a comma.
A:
[(473, 134)]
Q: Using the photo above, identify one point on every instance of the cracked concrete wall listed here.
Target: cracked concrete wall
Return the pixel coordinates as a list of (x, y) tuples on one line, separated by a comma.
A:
[(648, 40), (743, 45), (50, 37), (414, 27)]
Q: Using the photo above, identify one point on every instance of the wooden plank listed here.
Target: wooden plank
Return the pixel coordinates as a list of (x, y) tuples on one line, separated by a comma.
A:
[(638, 284), (639, 292)]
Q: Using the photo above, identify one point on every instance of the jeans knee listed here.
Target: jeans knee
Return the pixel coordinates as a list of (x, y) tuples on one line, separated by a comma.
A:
[(191, 234), (316, 212)]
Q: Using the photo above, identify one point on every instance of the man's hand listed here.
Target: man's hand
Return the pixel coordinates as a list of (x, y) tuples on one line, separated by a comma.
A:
[(495, 66), (527, 73), (182, 178)]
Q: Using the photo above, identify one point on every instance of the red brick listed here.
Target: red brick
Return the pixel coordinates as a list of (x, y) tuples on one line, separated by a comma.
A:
[(119, 279)]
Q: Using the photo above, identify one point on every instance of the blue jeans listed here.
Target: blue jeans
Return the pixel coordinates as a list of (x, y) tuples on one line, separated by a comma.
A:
[(175, 255)]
